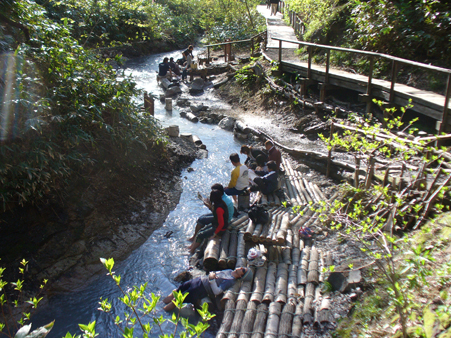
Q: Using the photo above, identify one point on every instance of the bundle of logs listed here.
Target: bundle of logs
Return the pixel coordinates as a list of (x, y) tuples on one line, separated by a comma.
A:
[(284, 298)]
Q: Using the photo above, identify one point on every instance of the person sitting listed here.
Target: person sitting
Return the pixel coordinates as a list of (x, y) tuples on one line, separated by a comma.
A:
[(252, 153), (262, 168), (268, 183), (174, 67), (204, 220), (219, 224), (273, 153), (239, 180), (164, 70), (212, 285)]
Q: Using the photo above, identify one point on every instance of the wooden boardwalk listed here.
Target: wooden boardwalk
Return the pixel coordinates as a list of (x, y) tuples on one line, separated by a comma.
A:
[(424, 102)]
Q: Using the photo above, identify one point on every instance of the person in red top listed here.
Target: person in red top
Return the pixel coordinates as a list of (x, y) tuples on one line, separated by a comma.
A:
[(220, 221), (273, 153)]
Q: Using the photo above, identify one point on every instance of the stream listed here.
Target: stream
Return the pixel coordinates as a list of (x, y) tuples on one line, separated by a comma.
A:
[(159, 259)]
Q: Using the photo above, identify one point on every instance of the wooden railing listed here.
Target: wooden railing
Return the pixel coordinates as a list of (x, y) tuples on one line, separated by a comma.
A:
[(295, 18), (395, 61), (228, 45)]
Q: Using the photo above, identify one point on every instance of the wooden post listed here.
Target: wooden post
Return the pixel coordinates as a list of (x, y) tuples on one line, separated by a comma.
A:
[(445, 107), (280, 51), (369, 88), (356, 173), (149, 104), (326, 80), (208, 55), (329, 157), (394, 72), (309, 70)]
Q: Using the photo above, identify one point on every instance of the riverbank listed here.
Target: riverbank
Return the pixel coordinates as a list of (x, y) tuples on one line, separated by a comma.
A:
[(109, 210)]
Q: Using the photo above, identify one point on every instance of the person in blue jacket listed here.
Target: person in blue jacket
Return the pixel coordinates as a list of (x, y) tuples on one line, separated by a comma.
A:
[(212, 285)]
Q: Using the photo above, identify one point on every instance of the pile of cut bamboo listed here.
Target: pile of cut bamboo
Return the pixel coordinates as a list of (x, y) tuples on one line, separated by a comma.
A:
[(285, 294)]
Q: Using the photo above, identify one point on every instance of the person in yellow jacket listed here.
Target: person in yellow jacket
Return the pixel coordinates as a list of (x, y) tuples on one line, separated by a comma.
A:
[(240, 177)]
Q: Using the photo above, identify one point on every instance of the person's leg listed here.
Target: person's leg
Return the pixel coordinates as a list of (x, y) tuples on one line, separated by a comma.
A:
[(261, 186), (202, 221), (169, 298), (205, 233)]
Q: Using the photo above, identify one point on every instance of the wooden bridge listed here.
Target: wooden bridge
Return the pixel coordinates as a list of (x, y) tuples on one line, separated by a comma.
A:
[(427, 103), (280, 44)]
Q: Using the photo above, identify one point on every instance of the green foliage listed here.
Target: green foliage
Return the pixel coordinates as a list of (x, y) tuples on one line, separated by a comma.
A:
[(13, 301), (140, 305), (317, 15), (414, 29), (61, 106), (246, 76), (222, 19), (368, 213)]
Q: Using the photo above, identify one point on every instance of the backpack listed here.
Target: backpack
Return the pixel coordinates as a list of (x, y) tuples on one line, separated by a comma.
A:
[(258, 214)]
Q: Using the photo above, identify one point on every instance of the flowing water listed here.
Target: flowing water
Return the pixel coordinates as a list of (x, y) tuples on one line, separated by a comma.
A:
[(159, 259)]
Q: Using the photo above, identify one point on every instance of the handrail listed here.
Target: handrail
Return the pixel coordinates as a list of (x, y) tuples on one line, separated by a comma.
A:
[(229, 43), (363, 52), (395, 63), (237, 41)]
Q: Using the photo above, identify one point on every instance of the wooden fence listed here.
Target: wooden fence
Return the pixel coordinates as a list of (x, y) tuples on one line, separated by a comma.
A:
[(228, 45)]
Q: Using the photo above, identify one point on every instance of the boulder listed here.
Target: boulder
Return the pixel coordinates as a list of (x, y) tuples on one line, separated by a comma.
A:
[(240, 136), (197, 86), (227, 123), (338, 281), (172, 91), (182, 102), (202, 153), (197, 108)]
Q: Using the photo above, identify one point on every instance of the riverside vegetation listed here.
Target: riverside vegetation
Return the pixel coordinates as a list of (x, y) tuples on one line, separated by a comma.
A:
[(400, 183)]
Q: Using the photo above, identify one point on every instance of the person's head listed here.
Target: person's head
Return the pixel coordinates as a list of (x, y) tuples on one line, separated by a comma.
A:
[(260, 160), (165, 60), (245, 149), (272, 165), (244, 274), (190, 47), (269, 145), (235, 158), (171, 59), (216, 197), (218, 186)]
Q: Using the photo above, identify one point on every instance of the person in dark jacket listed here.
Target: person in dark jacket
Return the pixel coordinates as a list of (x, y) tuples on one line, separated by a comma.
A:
[(174, 67), (212, 285), (164, 69), (219, 224), (273, 153), (252, 153), (268, 183)]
